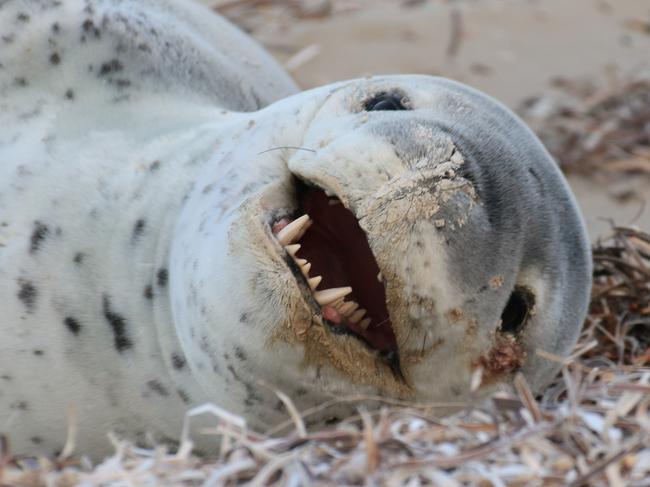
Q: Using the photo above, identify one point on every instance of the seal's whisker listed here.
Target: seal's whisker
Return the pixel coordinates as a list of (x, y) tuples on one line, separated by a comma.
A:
[(286, 147)]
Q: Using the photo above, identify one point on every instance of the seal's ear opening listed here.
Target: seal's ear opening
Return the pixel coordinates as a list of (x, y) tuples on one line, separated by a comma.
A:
[(517, 310)]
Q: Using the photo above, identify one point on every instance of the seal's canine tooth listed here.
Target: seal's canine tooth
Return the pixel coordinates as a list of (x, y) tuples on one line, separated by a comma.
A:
[(291, 232), (329, 296), (138, 275)]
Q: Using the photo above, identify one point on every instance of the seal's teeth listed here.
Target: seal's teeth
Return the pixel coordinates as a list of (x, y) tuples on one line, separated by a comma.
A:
[(301, 262), (333, 201), (380, 277), (304, 229), (305, 268), (348, 308), (314, 282), (289, 234), (364, 324), (337, 304), (292, 249), (328, 296), (357, 315)]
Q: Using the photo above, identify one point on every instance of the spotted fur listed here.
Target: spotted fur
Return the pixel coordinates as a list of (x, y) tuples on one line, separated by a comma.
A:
[(143, 162)]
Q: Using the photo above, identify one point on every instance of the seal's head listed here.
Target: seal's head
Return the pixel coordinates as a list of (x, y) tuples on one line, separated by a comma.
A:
[(411, 232)]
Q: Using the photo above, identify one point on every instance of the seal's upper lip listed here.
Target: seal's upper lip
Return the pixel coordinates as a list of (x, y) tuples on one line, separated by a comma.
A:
[(331, 250)]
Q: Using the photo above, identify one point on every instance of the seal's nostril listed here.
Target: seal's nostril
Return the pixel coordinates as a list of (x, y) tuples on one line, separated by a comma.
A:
[(517, 309), (385, 101)]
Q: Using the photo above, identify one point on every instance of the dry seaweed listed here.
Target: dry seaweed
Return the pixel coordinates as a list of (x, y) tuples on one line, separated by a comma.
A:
[(590, 427), (590, 128)]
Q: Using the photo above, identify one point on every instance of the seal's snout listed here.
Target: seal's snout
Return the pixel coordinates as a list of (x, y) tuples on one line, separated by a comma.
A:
[(334, 256)]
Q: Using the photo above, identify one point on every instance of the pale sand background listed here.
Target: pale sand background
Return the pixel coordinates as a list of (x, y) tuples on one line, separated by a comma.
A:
[(511, 49)]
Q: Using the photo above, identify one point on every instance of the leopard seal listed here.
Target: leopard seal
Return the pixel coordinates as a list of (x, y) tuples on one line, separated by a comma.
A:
[(178, 225)]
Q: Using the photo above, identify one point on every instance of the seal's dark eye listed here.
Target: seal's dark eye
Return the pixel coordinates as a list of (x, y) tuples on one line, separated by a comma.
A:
[(516, 312), (385, 101)]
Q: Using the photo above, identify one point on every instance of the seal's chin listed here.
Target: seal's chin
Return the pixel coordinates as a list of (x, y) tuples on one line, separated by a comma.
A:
[(332, 252)]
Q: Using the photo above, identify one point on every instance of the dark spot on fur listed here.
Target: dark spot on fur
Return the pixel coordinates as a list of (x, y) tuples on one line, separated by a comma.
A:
[(162, 277), (185, 397), (20, 405), (121, 47), (112, 66), (89, 28), (69, 94), (27, 294), (154, 166), (55, 58), (118, 324), (177, 361), (148, 292), (23, 17), (234, 373), (72, 324), (252, 395), (158, 388), (56, 28), (38, 353), (138, 229), (36, 440), (332, 420), (40, 233), (122, 83), (5, 377), (243, 318), (240, 354), (20, 81), (78, 257)]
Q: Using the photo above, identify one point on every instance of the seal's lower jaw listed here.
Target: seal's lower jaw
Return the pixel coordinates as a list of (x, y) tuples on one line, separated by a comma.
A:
[(330, 255)]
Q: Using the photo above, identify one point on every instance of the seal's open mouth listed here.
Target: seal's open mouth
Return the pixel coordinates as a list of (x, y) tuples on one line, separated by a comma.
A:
[(331, 250)]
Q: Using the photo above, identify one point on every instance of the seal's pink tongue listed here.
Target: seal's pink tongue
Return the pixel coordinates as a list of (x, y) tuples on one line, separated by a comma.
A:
[(280, 224), (330, 313)]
